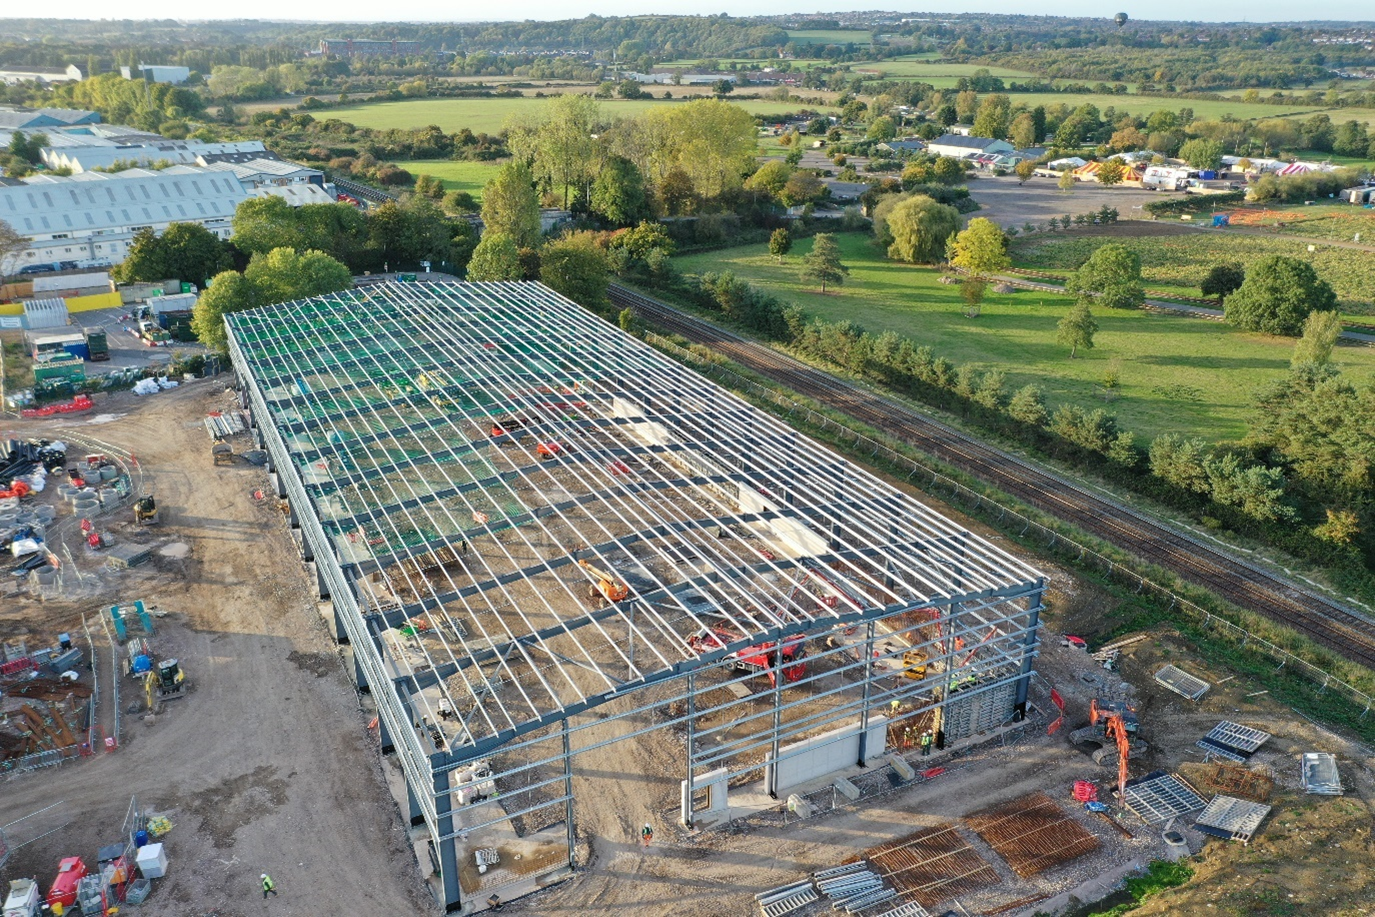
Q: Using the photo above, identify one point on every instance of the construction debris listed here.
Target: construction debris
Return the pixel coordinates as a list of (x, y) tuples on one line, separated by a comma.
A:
[(1320, 774), (1181, 682), (1231, 819), (1233, 741), (1161, 797)]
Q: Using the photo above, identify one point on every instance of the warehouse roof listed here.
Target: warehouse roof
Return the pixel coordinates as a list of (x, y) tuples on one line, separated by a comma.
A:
[(481, 456), (98, 200)]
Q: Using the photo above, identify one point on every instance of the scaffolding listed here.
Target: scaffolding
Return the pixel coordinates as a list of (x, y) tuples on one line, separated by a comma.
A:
[(527, 523)]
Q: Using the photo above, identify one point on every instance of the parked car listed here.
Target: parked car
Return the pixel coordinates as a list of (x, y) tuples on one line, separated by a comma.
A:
[(43, 268)]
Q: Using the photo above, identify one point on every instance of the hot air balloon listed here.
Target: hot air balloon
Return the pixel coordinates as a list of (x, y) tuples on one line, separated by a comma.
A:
[(1120, 19)]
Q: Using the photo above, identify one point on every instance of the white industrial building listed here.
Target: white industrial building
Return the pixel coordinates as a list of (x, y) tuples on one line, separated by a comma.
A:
[(144, 150), (93, 216), (960, 146), (29, 119), (156, 73), (45, 75)]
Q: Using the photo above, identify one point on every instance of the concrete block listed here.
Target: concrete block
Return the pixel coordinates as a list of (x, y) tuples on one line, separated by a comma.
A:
[(800, 807), (847, 789), (900, 765)]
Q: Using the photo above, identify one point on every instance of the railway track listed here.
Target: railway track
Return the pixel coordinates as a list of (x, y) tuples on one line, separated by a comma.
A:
[(1335, 627)]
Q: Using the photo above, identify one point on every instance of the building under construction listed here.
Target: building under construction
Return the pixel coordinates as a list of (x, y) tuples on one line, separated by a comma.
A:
[(530, 525)]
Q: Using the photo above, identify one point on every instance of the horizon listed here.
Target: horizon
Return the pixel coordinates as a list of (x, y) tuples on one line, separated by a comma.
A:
[(1268, 12)]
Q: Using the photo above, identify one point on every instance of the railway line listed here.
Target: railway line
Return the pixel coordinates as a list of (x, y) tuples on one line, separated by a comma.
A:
[(1328, 623)]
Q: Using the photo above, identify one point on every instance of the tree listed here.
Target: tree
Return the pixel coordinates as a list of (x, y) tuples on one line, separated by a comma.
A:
[(1028, 405), (12, 245), (1202, 153), (1066, 182), (1077, 328), (822, 263), (229, 291), (770, 177), (264, 223), (710, 141), (801, 188), (972, 291), (1111, 276), (496, 258), (980, 248), (1022, 132), (882, 128), (1222, 280), (510, 205), (1277, 295), (920, 228), (185, 251), (1320, 333), (459, 203), (618, 193), (1111, 172), (1179, 461), (1024, 169), (575, 266), (562, 148), (780, 243), (723, 87), (1127, 139), (995, 111), (948, 170), (285, 275)]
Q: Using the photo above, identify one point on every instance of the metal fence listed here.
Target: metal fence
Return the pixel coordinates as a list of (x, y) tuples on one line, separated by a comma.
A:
[(956, 493)]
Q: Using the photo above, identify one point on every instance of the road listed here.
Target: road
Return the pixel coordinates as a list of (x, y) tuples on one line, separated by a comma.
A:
[(1346, 632)]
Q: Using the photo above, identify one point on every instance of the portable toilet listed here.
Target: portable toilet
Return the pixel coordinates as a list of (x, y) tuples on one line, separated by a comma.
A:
[(22, 901)]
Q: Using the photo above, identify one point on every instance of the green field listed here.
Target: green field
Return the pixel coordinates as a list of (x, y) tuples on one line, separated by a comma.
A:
[(490, 115), (457, 176), (925, 69), (1181, 262), (1177, 374), (830, 37)]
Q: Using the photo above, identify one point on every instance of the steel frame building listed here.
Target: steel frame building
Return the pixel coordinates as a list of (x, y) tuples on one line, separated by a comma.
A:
[(480, 471)]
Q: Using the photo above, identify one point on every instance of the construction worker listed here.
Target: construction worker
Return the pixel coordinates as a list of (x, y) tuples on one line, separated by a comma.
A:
[(926, 739), (269, 887), (895, 706), (647, 834)]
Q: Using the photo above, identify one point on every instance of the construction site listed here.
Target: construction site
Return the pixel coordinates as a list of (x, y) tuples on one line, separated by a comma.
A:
[(472, 601), (531, 527)]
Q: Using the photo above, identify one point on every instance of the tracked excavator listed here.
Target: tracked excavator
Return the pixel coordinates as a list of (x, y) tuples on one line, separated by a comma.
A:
[(1113, 729)]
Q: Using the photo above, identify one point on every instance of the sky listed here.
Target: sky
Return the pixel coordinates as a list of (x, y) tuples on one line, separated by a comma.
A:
[(447, 11)]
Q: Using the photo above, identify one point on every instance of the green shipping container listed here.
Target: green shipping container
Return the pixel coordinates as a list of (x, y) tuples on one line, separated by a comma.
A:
[(72, 370)]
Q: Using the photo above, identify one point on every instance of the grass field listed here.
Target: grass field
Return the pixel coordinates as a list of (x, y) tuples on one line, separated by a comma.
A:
[(830, 37), (457, 176), (489, 115), (1177, 374), (1181, 262), (925, 68), (689, 62)]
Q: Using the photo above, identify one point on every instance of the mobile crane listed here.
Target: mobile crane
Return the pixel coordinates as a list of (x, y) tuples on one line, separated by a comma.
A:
[(760, 659)]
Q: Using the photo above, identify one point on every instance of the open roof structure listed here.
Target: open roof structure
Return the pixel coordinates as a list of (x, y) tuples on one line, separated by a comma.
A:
[(713, 513), (524, 513)]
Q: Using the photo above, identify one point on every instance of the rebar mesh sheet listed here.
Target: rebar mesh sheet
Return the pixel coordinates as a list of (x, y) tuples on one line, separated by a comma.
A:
[(1032, 833), (1162, 798), (1231, 819), (540, 451), (932, 865)]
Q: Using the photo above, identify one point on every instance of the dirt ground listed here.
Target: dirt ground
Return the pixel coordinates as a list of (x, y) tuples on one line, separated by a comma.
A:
[(266, 765), (1008, 203)]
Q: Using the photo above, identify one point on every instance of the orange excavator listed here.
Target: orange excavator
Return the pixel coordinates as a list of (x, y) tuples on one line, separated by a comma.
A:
[(1113, 727), (607, 586)]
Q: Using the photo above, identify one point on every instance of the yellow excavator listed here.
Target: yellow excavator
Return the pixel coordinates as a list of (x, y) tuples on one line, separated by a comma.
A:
[(166, 682), (607, 586)]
